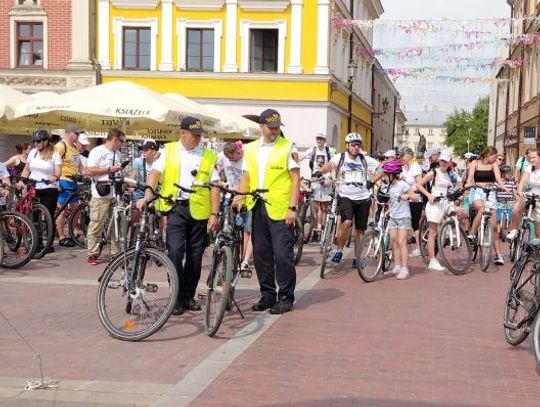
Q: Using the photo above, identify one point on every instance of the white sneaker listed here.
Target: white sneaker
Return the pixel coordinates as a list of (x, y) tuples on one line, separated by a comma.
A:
[(415, 253), (244, 265), (511, 235), (393, 272), (434, 265), (403, 274)]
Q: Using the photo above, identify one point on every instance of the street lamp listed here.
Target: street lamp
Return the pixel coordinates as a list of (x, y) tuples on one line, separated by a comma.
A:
[(385, 104), (469, 141), (351, 74)]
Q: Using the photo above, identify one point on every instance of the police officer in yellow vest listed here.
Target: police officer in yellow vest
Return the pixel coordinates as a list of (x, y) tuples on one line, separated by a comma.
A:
[(269, 164), (185, 162)]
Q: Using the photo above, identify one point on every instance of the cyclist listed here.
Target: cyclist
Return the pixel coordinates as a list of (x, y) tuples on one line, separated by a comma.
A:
[(352, 167), (71, 165), (522, 164), (441, 179), (17, 162), (503, 198), (229, 165), (484, 172), (82, 145), (318, 156), (44, 163), (412, 173), (531, 180), (399, 221)]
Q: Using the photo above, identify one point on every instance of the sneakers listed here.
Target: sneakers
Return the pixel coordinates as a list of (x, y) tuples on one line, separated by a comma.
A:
[(415, 253), (499, 261), (92, 260), (244, 266), (66, 242), (337, 257), (393, 272), (403, 274), (511, 235), (263, 304), (282, 306), (192, 305), (434, 265)]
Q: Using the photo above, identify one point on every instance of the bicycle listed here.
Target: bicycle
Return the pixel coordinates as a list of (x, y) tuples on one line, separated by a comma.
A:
[(327, 245), (28, 204), (452, 236), (129, 301), (483, 243), (305, 211), (227, 256), (522, 299), (81, 191), (374, 253), (18, 238), (526, 229)]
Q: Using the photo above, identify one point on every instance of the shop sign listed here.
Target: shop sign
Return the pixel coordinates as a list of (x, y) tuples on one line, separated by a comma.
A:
[(529, 135)]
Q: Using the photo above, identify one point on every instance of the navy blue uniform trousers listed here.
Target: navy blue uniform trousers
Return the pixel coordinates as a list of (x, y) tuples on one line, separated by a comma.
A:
[(273, 254), (186, 237)]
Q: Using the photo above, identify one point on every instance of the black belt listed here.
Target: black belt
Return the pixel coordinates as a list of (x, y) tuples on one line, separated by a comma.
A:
[(182, 202)]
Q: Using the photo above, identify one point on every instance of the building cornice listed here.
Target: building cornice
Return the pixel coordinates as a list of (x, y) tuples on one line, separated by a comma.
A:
[(213, 5), (260, 5), (135, 4)]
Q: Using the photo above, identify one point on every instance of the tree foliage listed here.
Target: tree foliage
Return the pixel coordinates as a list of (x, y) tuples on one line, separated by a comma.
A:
[(460, 121)]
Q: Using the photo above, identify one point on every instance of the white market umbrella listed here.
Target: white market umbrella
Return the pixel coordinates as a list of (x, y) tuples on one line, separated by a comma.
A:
[(133, 108), (246, 128), (9, 98)]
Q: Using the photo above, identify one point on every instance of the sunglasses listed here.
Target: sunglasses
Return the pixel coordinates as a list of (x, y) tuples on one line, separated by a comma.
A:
[(38, 141), (357, 145)]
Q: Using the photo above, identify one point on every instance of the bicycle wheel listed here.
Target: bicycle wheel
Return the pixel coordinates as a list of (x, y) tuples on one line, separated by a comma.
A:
[(369, 256), (78, 224), (520, 302), (486, 246), (134, 317), (327, 244), (218, 289), (298, 240), (536, 338), (423, 232), (45, 228), (19, 239), (307, 221), (455, 249)]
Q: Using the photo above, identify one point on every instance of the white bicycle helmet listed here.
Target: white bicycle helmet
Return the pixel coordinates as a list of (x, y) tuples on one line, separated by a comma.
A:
[(353, 137)]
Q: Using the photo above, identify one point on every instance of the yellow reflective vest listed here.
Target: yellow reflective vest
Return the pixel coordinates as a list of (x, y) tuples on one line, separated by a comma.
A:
[(277, 179), (199, 202)]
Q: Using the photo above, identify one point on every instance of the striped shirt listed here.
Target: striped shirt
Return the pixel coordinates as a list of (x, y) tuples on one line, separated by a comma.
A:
[(509, 195)]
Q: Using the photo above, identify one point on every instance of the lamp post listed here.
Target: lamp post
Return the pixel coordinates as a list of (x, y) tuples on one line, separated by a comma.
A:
[(351, 72), (469, 141)]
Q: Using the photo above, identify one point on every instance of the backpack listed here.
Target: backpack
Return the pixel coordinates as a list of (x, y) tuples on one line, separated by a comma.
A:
[(312, 159), (63, 155)]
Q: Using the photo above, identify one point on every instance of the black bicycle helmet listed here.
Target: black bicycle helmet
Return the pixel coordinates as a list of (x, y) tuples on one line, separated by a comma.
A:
[(505, 168), (40, 135)]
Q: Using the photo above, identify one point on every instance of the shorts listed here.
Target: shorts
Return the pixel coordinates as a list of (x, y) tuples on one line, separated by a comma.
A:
[(66, 189), (399, 223), (244, 219), (478, 194), (359, 210), (435, 212)]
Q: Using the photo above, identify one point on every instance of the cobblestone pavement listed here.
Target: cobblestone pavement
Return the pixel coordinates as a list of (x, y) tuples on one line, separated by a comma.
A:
[(432, 340)]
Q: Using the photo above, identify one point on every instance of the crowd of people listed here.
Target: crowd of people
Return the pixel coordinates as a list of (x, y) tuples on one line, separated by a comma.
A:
[(411, 181)]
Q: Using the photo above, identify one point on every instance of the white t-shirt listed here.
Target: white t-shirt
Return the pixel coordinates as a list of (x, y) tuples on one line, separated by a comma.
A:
[(409, 175), (263, 156), (231, 169), (321, 158), (534, 180), (42, 169), (526, 165), (190, 161), (442, 183), (102, 157), (353, 170)]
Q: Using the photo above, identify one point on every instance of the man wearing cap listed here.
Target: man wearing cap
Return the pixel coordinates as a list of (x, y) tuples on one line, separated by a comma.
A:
[(186, 162), (318, 156), (269, 165), (71, 165), (82, 145)]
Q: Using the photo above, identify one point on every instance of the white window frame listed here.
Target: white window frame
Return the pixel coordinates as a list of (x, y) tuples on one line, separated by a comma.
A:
[(21, 18), (118, 29), (182, 25), (246, 26)]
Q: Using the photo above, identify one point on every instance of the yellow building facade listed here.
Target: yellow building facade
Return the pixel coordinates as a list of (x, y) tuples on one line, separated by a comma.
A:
[(246, 56)]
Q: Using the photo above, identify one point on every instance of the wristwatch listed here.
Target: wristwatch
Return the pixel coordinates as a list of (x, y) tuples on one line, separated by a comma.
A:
[(292, 208)]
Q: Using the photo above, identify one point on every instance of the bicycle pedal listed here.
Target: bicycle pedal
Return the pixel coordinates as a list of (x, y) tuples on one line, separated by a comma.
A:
[(246, 273)]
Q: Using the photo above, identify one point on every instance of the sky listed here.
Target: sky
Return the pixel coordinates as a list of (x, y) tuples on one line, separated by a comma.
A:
[(418, 93)]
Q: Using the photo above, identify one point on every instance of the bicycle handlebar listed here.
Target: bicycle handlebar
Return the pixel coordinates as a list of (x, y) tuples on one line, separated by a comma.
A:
[(32, 181)]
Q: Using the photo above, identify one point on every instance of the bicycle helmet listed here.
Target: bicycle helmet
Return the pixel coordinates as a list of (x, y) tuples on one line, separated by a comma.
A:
[(505, 168), (392, 167), (40, 135), (353, 137)]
